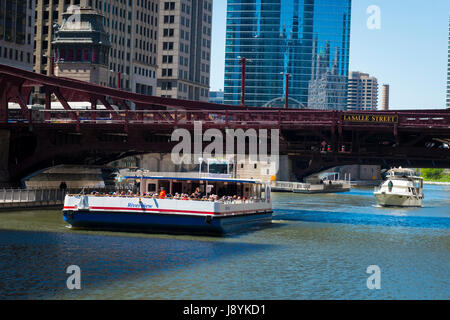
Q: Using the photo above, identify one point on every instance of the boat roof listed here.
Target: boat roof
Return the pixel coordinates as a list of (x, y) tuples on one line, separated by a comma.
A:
[(401, 170), (194, 179)]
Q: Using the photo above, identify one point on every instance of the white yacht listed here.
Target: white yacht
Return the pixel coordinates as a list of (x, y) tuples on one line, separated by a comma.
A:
[(402, 188)]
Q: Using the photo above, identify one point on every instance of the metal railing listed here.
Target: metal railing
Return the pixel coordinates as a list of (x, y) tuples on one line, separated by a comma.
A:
[(22, 198), (269, 118)]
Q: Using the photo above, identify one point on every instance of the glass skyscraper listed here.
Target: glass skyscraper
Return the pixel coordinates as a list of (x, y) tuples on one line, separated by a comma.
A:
[(308, 39), (448, 69)]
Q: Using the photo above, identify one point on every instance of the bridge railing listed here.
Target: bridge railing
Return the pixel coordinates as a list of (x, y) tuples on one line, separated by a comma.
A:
[(224, 118), (178, 117)]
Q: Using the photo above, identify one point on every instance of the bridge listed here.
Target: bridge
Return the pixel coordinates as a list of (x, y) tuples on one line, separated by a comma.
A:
[(115, 124)]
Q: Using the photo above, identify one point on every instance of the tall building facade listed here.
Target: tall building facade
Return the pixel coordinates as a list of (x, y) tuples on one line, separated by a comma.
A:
[(385, 97), (327, 89), (17, 33), (362, 91), (82, 49), (184, 49), (216, 97), (279, 37), (448, 69), (132, 28)]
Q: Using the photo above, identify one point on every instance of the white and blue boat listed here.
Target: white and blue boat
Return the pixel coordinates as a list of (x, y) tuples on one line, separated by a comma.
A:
[(206, 204)]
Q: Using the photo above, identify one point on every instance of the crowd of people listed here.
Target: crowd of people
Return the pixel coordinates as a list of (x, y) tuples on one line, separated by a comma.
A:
[(196, 196)]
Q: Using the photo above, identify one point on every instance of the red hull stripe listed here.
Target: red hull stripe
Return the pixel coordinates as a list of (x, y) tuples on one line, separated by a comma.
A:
[(146, 209)]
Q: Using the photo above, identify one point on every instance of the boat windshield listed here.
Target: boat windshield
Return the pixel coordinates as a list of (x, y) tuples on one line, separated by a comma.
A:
[(403, 173)]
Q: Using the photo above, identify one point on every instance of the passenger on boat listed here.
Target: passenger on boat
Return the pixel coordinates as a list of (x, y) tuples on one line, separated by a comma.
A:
[(390, 186), (197, 194)]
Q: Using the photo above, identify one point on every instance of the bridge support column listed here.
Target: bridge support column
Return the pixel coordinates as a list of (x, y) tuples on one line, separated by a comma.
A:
[(285, 169), (3, 103), (4, 155)]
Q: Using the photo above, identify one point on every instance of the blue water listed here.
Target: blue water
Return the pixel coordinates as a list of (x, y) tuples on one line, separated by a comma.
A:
[(359, 207), (318, 247)]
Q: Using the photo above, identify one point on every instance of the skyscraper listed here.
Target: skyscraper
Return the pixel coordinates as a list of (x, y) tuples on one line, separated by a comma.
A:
[(362, 91), (448, 67), (184, 49), (327, 89), (216, 97), (132, 28), (17, 33), (279, 37), (385, 98)]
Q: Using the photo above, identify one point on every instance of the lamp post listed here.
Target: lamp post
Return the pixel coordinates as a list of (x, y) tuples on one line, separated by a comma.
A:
[(242, 62), (286, 95)]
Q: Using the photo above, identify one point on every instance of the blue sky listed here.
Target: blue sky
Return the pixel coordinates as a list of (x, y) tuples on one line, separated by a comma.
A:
[(409, 52)]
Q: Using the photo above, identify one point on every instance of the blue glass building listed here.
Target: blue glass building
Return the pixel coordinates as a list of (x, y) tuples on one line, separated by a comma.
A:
[(305, 38), (448, 70)]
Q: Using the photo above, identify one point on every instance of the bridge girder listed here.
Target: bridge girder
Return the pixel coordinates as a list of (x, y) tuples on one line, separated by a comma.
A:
[(134, 124)]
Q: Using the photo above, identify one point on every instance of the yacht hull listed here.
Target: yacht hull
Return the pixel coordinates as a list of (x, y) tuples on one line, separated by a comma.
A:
[(395, 200)]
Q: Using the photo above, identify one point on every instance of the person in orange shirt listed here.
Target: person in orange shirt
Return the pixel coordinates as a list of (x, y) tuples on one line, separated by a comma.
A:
[(162, 194)]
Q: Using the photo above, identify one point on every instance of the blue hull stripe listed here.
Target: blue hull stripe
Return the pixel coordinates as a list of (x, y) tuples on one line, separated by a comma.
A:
[(167, 222)]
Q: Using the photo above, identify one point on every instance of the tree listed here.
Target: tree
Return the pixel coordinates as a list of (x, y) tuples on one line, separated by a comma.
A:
[(434, 174)]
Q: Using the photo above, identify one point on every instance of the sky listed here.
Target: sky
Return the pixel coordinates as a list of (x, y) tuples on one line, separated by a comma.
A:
[(409, 51)]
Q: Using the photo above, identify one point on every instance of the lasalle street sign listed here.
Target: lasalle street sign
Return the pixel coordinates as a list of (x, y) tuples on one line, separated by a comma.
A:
[(370, 118)]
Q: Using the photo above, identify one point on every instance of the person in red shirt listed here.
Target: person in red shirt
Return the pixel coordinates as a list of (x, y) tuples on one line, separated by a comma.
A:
[(162, 194)]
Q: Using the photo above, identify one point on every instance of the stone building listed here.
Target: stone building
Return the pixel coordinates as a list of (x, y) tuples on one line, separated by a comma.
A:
[(184, 49), (132, 29), (17, 33), (82, 47)]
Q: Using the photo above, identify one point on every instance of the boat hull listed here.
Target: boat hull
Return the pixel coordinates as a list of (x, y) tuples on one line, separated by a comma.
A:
[(167, 223), (394, 200)]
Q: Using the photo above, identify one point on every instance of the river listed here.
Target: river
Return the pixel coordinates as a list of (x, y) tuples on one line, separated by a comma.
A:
[(319, 247)]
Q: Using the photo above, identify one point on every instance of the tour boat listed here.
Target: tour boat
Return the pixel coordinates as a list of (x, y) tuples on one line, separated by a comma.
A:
[(401, 189), (225, 205)]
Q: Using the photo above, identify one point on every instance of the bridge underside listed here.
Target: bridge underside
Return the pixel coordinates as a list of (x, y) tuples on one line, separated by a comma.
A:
[(310, 151), (113, 124)]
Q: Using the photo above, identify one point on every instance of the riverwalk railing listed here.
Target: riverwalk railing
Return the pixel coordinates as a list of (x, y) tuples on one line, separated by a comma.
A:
[(328, 185), (25, 198)]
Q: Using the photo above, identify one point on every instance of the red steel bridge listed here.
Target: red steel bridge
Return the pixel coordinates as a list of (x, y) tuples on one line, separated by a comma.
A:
[(115, 123)]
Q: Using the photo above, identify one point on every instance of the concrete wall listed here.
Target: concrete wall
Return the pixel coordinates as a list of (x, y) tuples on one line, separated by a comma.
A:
[(83, 71), (73, 176), (361, 172)]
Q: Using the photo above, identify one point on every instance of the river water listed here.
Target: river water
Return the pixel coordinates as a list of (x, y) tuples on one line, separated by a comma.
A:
[(319, 247)]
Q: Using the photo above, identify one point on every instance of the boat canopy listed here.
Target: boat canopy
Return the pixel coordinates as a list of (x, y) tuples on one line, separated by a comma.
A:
[(197, 179)]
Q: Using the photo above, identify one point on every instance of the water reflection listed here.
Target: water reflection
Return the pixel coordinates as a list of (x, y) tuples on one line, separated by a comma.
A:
[(32, 264), (318, 248)]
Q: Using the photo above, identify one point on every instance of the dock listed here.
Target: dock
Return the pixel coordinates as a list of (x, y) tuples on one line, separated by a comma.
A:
[(335, 186)]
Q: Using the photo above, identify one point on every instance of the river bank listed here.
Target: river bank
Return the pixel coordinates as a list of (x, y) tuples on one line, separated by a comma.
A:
[(436, 183)]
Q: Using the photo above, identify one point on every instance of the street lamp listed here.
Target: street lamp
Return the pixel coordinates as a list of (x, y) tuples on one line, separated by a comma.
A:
[(242, 62), (286, 96)]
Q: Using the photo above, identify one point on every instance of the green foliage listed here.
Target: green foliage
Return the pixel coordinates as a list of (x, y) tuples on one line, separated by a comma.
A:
[(432, 174)]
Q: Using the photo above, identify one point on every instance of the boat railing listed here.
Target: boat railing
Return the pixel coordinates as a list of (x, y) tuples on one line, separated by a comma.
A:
[(232, 201)]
